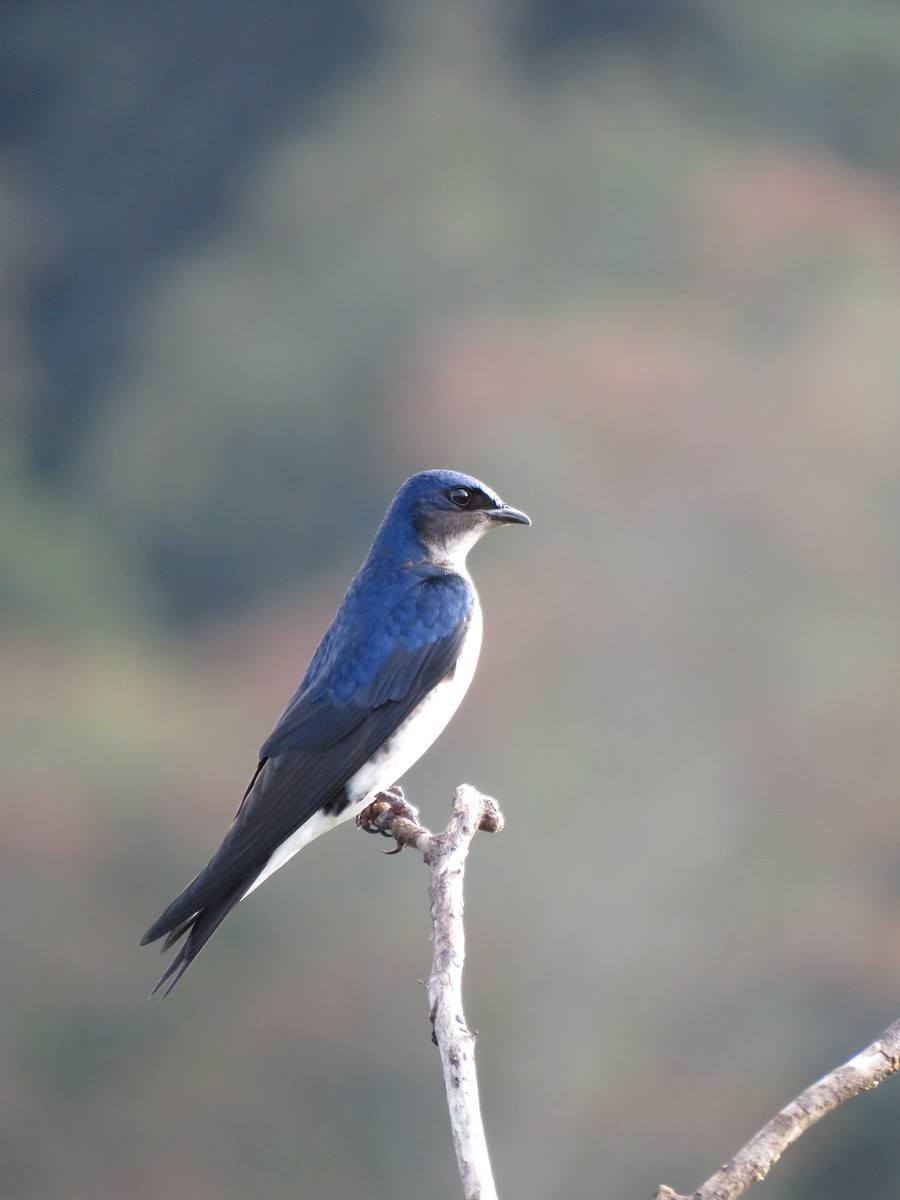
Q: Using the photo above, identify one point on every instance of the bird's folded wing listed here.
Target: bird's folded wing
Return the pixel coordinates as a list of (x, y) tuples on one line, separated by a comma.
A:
[(395, 661)]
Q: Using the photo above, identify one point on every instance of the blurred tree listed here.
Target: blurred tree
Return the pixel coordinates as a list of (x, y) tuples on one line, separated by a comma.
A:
[(128, 123), (238, 441), (163, 150), (56, 569)]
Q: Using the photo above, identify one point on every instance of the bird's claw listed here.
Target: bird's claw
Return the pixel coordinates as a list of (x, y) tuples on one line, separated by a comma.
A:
[(377, 816)]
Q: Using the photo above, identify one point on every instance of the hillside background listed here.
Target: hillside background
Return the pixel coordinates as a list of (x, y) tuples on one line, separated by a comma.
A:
[(638, 266)]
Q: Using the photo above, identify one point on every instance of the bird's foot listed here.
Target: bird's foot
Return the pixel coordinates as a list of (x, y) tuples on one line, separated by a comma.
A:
[(377, 817)]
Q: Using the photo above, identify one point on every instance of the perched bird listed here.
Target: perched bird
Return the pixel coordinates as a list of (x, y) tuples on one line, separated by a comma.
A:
[(387, 677)]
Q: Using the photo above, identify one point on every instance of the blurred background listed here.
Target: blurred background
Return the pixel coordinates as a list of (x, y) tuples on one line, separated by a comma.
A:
[(636, 264)]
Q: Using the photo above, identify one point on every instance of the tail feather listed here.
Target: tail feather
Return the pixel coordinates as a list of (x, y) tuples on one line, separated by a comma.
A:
[(178, 932), (199, 929)]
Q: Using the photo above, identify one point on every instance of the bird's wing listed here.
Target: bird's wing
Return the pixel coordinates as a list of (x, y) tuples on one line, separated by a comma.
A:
[(331, 729), (397, 657)]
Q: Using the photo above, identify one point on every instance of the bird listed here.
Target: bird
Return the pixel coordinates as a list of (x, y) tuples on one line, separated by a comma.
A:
[(388, 675)]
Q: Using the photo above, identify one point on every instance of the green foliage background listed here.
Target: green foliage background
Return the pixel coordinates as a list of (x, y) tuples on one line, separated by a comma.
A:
[(639, 267)]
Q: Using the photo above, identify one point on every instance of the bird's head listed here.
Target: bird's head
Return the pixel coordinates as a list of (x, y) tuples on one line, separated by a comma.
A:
[(448, 513)]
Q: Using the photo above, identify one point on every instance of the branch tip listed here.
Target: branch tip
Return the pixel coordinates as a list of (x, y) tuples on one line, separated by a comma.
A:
[(864, 1071), (491, 816)]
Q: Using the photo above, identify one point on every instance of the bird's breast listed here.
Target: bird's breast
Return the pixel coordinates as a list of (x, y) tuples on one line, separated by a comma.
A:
[(424, 724)]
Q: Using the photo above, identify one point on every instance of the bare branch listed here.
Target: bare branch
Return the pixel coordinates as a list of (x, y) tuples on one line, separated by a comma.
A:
[(863, 1072), (445, 854)]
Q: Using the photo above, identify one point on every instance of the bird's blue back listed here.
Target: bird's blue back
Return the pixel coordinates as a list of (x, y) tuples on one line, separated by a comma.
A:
[(386, 643)]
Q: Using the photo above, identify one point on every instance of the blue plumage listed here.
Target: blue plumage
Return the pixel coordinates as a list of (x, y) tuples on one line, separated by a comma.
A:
[(388, 674), (397, 654)]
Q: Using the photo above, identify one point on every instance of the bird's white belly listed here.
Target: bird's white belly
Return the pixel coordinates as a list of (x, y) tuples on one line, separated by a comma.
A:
[(387, 766), (420, 729)]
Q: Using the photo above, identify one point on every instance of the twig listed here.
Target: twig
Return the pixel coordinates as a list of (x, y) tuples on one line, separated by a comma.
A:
[(863, 1072), (445, 854)]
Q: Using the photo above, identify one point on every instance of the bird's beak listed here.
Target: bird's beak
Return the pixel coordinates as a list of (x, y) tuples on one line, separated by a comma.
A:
[(508, 516)]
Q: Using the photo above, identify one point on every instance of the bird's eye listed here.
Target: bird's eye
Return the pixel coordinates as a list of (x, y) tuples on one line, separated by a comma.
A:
[(460, 496)]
